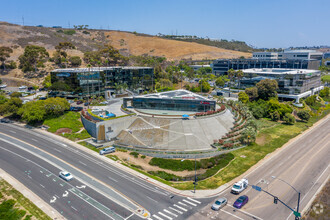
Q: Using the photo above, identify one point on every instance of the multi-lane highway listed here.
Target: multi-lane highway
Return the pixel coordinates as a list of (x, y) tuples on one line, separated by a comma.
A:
[(99, 190), (304, 164)]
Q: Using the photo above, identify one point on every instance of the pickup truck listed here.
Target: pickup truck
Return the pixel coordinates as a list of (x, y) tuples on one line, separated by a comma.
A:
[(239, 186)]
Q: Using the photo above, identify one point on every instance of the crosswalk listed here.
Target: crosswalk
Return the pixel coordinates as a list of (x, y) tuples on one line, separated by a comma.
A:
[(176, 210)]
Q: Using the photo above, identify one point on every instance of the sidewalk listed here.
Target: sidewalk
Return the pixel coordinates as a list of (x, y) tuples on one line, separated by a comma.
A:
[(187, 193), (45, 207)]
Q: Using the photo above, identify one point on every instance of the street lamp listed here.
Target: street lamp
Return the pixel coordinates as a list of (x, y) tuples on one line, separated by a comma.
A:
[(274, 177)]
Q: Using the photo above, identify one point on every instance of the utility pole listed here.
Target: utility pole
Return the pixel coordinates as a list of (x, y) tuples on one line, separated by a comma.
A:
[(23, 20), (195, 182)]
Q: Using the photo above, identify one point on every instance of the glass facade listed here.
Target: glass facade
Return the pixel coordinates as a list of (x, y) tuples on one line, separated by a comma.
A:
[(94, 81), (173, 104), (288, 83), (221, 67)]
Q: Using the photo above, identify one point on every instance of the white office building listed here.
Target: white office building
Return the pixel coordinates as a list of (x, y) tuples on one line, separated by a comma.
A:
[(290, 55)]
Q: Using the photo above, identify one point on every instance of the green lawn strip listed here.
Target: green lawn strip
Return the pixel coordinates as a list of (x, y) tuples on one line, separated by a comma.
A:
[(7, 189), (77, 136), (69, 120)]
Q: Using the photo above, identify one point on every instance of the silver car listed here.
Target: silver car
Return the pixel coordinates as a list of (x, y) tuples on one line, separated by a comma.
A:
[(66, 175), (219, 203)]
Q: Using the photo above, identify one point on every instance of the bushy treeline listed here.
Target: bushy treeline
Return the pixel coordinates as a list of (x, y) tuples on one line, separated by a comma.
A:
[(34, 111)]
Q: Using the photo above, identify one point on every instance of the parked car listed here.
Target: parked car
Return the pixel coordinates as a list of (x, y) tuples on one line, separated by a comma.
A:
[(79, 102), (86, 103), (66, 175), (107, 150), (75, 109), (241, 201), (104, 103), (219, 203), (239, 186), (42, 98), (5, 120), (70, 101)]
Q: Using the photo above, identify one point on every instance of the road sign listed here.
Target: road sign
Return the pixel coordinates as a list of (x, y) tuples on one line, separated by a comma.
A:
[(258, 188), (297, 214)]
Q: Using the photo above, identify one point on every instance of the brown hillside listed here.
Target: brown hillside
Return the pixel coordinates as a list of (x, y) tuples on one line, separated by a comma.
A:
[(171, 49)]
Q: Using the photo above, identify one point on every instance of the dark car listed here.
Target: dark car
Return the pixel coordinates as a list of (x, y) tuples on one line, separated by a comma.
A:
[(86, 103), (5, 120), (42, 98), (241, 201), (79, 102), (76, 109)]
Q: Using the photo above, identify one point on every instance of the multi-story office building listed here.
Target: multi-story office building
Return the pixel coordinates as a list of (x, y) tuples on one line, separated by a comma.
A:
[(266, 55), (292, 83), (290, 55), (177, 100), (82, 82), (326, 55), (221, 66)]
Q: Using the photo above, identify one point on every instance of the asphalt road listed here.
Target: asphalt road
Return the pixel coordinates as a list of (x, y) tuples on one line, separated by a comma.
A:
[(304, 164), (115, 185)]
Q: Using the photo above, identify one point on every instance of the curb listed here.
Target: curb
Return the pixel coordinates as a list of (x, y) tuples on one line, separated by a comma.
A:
[(44, 206)]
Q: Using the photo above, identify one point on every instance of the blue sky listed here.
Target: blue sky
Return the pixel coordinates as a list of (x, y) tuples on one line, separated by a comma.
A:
[(262, 23)]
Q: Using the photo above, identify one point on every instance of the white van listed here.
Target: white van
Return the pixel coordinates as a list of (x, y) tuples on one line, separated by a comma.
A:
[(107, 150)]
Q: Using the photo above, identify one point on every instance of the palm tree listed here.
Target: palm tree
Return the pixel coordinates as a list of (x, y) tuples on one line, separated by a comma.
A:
[(239, 75)]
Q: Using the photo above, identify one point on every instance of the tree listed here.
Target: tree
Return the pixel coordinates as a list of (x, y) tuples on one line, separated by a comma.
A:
[(252, 92), (75, 61), (33, 111), (61, 56), (275, 116), (325, 92), (4, 54), (33, 57), (243, 97), (47, 81), (289, 119), (11, 106), (56, 106), (304, 115), (219, 82), (16, 94), (239, 75), (204, 85), (267, 88), (112, 56), (248, 135)]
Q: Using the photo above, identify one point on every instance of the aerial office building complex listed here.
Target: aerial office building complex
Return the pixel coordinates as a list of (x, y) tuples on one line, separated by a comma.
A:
[(82, 82)]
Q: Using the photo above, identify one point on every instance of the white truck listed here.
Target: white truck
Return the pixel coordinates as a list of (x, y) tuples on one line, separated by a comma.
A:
[(239, 186)]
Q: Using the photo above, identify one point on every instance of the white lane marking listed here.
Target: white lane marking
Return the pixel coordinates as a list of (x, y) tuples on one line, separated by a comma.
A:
[(34, 139), (12, 131), (113, 179), (53, 199), (183, 204), (165, 216), (129, 216), (176, 210), (83, 163), (65, 194), (310, 189), (155, 216), (180, 207), (189, 202), (54, 175), (42, 186), (152, 199), (240, 210), (165, 210), (57, 150), (231, 214), (81, 187), (194, 200), (74, 208), (29, 176), (64, 145)]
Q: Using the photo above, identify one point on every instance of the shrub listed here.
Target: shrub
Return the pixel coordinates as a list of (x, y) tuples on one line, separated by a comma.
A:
[(135, 154), (143, 156), (325, 92), (275, 116), (69, 32), (304, 115), (16, 94), (289, 119)]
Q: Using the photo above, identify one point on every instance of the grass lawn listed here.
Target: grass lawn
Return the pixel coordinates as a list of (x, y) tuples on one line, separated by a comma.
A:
[(7, 191), (69, 119), (325, 78), (77, 136)]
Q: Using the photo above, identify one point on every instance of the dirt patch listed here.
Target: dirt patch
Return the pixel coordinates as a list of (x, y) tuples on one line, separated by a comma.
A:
[(63, 130), (261, 140), (144, 163)]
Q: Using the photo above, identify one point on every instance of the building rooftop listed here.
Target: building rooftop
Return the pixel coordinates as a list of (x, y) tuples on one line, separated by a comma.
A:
[(280, 71), (176, 94), (97, 69)]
